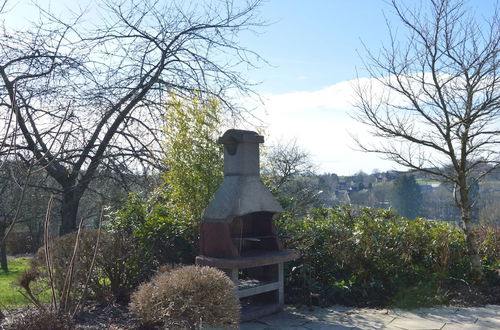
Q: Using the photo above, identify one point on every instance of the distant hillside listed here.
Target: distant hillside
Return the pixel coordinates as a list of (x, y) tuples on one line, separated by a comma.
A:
[(376, 190)]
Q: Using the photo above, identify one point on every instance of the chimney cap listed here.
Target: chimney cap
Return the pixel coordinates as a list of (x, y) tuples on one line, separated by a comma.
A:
[(233, 136)]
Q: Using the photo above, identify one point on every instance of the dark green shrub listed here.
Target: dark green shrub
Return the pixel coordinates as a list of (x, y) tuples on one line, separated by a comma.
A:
[(422, 294), (187, 297), (161, 233), (489, 249), (371, 257)]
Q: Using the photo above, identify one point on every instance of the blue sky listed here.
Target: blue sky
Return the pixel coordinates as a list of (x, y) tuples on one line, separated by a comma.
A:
[(313, 48), (315, 43), (312, 44)]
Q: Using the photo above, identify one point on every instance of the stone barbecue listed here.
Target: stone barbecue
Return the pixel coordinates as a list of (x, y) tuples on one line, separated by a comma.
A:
[(238, 233)]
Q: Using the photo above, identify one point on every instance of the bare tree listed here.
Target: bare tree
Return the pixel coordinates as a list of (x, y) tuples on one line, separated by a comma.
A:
[(437, 106), (288, 172), (87, 98), (285, 161)]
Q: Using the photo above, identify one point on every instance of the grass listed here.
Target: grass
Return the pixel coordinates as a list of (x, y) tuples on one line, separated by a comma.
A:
[(9, 296)]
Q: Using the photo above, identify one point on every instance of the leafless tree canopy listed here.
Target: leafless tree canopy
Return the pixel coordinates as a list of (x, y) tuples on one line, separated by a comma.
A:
[(436, 96), (287, 171), (87, 93), (446, 82), (284, 162)]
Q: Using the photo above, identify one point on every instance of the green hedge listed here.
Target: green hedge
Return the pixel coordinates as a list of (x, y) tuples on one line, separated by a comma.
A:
[(374, 257), (355, 257)]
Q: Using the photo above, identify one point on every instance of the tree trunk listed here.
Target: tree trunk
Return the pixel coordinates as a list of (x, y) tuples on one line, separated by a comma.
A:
[(3, 251), (69, 210), (470, 237)]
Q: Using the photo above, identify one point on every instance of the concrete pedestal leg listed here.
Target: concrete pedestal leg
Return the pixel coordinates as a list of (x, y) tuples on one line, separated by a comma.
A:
[(281, 290)]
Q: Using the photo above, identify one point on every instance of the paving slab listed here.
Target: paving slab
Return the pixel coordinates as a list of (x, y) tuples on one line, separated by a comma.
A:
[(342, 317), (285, 318), (253, 326), (489, 322), (446, 316), (440, 314), (319, 325), (320, 314), (424, 311), (494, 308), (460, 326), (416, 323), (369, 320), (435, 310), (286, 328), (341, 308), (479, 312)]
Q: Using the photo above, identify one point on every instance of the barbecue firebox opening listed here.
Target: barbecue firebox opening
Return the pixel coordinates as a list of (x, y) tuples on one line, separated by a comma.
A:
[(254, 233)]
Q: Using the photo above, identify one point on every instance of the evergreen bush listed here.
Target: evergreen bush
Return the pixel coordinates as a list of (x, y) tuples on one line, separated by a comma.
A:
[(162, 236), (374, 257)]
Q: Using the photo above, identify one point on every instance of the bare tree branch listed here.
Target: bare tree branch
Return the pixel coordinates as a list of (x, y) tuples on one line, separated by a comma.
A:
[(83, 97), (435, 100)]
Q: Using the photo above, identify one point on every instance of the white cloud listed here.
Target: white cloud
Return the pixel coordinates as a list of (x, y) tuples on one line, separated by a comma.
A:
[(321, 123), (335, 97)]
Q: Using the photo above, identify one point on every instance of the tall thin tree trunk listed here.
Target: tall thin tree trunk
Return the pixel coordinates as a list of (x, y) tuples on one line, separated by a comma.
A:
[(470, 236), (472, 248), (3, 251)]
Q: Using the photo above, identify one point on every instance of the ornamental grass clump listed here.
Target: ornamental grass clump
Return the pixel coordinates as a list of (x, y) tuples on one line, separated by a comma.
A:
[(187, 297), (39, 319)]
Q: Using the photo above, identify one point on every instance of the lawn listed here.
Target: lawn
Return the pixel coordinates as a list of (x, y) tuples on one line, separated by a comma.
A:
[(9, 296)]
